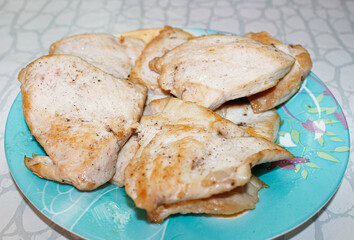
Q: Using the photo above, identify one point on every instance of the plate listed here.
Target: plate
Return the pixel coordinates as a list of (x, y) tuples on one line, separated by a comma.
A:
[(313, 128)]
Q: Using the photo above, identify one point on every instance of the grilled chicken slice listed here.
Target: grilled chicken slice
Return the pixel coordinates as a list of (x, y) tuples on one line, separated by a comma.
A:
[(158, 43), (264, 124), (125, 155), (290, 83), (235, 201), (146, 35), (114, 55), (80, 115), (189, 152), (156, 105), (211, 70), (167, 39)]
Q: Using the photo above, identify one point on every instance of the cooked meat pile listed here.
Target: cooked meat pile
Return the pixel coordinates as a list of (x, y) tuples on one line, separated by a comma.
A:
[(178, 120)]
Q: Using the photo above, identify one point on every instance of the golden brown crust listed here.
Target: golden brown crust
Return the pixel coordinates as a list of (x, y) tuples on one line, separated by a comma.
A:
[(290, 83), (278, 94), (143, 34), (158, 43), (157, 105), (304, 59), (228, 203), (262, 37)]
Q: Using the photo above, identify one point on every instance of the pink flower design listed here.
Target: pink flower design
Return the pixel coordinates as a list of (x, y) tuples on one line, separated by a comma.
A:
[(340, 116), (327, 92), (312, 127), (317, 127), (287, 163)]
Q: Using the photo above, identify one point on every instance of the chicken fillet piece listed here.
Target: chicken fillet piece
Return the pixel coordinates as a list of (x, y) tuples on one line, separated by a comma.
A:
[(80, 115), (263, 124), (210, 70), (125, 155), (290, 83), (189, 152), (167, 39), (236, 201), (114, 55)]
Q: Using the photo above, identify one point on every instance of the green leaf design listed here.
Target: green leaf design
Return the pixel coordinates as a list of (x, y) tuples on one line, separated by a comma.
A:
[(295, 135), (328, 121), (327, 156), (304, 173), (320, 141), (319, 98), (336, 139), (330, 110), (281, 133), (331, 133), (313, 110), (297, 168), (313, 165), (342, 149)]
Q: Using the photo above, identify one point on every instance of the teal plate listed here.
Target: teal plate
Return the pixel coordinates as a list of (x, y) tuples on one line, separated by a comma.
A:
[(313, 128)]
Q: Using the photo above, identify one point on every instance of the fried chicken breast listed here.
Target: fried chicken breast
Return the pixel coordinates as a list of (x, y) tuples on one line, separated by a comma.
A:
[(114, 55), (189, 152), (290, 83), (210, 70), (80, 115)]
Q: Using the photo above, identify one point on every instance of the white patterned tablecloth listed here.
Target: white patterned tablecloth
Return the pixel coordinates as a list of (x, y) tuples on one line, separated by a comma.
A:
[(324, 27)]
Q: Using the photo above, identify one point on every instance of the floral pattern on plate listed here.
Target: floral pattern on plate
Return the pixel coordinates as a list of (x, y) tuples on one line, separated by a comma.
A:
[(319, 120)]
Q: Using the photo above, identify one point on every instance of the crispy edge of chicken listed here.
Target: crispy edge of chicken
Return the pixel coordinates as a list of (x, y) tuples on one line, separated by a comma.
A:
[(201, 67), (290, 83), (236, 201)]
